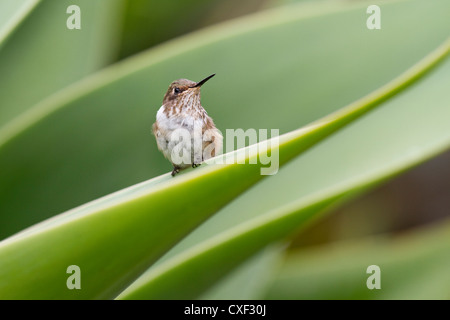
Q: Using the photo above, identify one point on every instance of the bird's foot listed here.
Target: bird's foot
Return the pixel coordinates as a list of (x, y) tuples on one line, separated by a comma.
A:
[(175, 171)]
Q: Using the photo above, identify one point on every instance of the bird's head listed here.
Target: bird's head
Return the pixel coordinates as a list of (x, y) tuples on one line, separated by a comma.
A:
[(184, 92)]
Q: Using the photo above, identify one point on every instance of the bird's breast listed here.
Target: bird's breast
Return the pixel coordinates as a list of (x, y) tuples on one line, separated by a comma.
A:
[(170, 120)]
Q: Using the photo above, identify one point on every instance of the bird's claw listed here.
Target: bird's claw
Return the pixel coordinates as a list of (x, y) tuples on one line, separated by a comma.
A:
[(175, 171)]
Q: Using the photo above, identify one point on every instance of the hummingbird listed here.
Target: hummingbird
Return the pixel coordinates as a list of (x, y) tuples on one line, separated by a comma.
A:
[(182, 116)]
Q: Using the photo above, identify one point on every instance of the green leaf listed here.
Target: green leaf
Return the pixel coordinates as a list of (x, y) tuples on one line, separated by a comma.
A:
[(413, 266), (44, 56), (152, 214), (124, 221), (201, 262), (12, 13), (140, 16), (315, 171), (250, 280), (187, 274), (70, 167)]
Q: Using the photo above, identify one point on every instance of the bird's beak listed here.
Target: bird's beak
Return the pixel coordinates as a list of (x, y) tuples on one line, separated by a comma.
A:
[(200, 83)]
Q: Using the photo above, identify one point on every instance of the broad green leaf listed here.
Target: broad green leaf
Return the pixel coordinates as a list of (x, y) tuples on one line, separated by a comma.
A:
[(203, 261), (351, 156), (12, 13), (177, 17), (113, 230), (250, 280), (273, 3), (117, 107), (413, 266), (44, 56), (81, 221), (127, 233)]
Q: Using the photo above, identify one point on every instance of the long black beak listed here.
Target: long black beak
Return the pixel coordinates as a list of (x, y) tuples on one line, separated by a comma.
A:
[(199, 84)]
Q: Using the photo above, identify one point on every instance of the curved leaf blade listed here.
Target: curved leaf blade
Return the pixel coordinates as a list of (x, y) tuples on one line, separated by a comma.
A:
[(153, 215), (69, 163), (12, 13), (412, 265), (203, 264), (30, 72)]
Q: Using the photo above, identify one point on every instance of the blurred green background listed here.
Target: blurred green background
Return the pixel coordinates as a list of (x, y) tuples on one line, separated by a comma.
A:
[(70, 134)]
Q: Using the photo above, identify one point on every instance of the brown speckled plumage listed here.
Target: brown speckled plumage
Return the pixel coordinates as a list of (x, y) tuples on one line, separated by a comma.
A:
[(182, 109)]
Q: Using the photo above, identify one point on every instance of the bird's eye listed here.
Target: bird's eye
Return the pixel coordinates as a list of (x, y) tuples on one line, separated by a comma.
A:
[(177, 90)]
